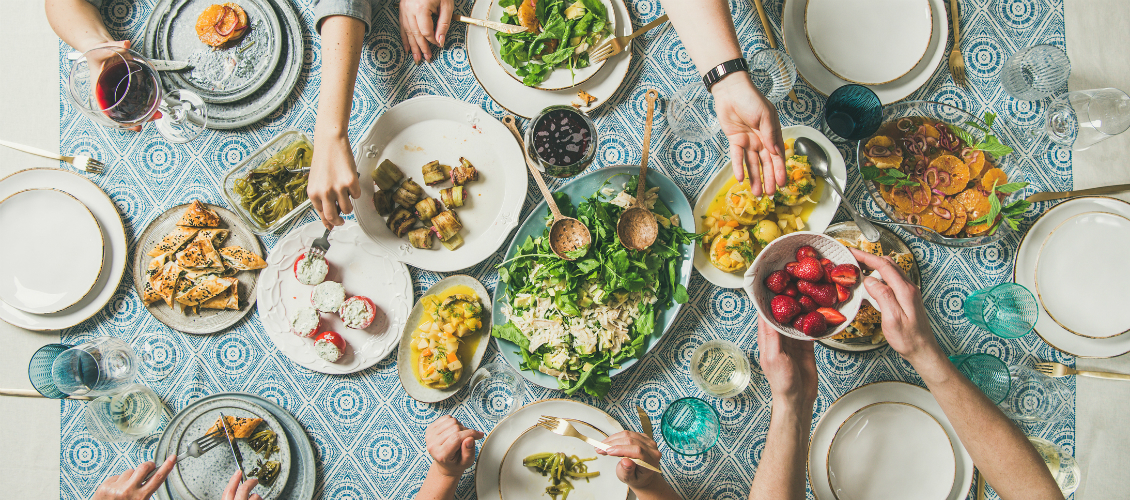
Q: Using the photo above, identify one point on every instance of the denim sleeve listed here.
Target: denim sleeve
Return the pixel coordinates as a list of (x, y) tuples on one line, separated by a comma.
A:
[(359, 9)]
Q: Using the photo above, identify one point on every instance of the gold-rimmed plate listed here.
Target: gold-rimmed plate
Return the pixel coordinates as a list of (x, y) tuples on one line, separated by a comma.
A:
[(525, 482), (869, 42)]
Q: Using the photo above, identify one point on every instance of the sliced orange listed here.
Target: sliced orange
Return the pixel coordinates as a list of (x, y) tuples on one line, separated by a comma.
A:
[(527, 15), (209, 33), (957, 171), (993, 177), (931, 219), (975, 160), (904, 199), (930, 131), (977, 205), (959, 219)]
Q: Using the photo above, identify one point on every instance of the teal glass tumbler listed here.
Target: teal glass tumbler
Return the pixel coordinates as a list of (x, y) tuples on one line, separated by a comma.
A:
[(989, 373), (690, 426), (1007, 310)]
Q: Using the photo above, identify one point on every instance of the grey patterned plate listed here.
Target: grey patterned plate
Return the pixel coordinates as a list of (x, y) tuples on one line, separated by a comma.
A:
[(207, 320)]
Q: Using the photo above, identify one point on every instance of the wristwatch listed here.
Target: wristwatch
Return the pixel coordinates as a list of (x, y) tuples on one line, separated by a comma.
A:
[(732, 66)]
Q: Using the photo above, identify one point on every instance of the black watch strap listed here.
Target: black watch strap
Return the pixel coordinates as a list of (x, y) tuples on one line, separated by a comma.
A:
[(732, 66)]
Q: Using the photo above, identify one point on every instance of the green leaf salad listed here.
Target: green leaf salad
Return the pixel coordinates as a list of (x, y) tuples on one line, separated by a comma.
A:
[(576, 320), (560, 36)]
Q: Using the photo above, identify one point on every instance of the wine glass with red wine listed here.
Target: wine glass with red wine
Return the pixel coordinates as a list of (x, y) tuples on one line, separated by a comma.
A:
[(119, 88)]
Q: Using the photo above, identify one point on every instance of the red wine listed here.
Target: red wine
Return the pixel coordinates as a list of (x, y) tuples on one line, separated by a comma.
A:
[(126, 91), (561, 137)]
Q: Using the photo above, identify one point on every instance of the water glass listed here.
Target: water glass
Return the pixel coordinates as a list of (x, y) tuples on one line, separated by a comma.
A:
[(773, 73), (39, 370), (128, 415), (496, 391), (1083, 118), (1034, 397), (690, 426), (1007, 310), (720, 368), (1035, 72), (987, 372), (852, 113), (1062, 465), (96, 368)]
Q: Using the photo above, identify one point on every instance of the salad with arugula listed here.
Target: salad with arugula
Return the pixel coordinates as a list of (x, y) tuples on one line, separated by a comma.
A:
[(576, 320), (559, 35)]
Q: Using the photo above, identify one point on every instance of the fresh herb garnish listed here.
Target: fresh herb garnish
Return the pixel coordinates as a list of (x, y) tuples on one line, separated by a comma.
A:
[(1012, 213), (990, 144), (887, 176)]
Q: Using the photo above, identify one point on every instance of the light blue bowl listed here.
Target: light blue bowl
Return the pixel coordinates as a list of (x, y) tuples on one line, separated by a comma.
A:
[(578, 189)]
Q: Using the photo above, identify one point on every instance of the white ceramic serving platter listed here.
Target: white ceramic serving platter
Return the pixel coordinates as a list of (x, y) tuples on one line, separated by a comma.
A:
[(879, 392), (1080, 293), (53, 251), (113, 233), (205, 478), (525, 101), (523, 483), (870, 42), (489, 466), (818, 221), (891, 450), (561, 78), (408, 380), (824, 82), (1024, 273), (363, 268), (427, 128)]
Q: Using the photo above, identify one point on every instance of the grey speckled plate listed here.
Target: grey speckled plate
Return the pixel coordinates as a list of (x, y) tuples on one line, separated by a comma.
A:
[(218, 75), (300, 485)]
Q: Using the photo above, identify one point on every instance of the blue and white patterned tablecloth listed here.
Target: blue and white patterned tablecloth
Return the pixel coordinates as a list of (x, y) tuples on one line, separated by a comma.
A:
[(367, 431)]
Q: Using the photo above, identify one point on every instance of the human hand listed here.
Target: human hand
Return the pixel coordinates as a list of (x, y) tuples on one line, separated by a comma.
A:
[(628, 444), (905, 323), (751, 124), (416, 30), (237, 491), (131, 484), (333, 180), (451, 445), (789, 365), (97, 60)]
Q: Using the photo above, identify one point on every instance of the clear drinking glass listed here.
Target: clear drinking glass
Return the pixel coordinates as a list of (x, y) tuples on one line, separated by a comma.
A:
[(773, 73), (1034, 397), (119, 88), (690, 426), (99, 367), (987, 372), (1007, 310), (39, 370), (852, 113), (1083, 118), (128, 415), (720, 368), (1062, 465), (496, 391), (1035, 72)]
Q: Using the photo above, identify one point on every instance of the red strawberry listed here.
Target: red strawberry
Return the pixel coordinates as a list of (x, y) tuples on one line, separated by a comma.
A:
[(777, 281), (806, 251), (843, 293), (791, 268), (845, 274), (832, 316), (813, 324), (791, 291), (785, 308), (823, 294), (807, 304), (809, 269), (828, 266), (798, 323)]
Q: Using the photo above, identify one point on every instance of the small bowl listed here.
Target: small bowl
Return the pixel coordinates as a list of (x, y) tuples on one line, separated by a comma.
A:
[(562, 170), (259, 157)]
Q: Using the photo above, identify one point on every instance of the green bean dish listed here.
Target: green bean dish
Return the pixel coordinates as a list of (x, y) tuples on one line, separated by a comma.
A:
[(273, 189), (560, 469)]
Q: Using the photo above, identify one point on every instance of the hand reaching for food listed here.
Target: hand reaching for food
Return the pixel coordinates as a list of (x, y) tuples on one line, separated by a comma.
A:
[(905, 323), (750, 122), (416, 29), (628, 445), (333, 180), (132, 485), (451, 445)]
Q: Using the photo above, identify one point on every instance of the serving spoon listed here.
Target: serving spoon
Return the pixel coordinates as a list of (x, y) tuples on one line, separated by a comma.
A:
[(637, 227), (566, 234), (818, 159)]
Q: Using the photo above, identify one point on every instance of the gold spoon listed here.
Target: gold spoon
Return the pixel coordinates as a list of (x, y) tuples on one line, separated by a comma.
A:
[(637, 226), (566, 234)]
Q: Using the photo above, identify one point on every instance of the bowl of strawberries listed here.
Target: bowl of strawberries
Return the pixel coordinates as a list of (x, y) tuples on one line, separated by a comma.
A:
[(807, 285)]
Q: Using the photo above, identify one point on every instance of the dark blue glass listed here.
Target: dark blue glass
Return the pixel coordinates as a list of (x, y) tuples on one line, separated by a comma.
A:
[(852, 113), (39, 370)]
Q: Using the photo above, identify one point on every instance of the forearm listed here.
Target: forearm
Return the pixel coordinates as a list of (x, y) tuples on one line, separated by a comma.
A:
[(78, 23), (341, 54), (437, 486), (706, 29), (999, 449), (658, 490), (780, 474)]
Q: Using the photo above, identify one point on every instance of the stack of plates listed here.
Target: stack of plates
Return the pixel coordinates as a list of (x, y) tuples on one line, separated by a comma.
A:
[(66, 249), (242, 83)]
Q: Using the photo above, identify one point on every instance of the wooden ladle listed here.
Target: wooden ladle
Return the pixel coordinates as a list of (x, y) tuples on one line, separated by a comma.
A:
[(637, 226), (566, 234)]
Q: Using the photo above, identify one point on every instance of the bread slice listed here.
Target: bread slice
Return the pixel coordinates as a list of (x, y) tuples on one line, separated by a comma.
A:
[(199, 215), (242, 259), (174, 241)]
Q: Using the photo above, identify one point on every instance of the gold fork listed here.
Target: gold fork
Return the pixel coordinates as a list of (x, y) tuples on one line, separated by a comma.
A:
[(84, 163), (1053, 369), (957, 63), (562, 427), (616, 45)]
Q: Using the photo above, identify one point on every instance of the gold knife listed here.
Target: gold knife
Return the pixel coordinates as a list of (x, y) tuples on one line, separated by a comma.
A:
[(1056, 195), (645, 422), (494, 25), (769, 37)]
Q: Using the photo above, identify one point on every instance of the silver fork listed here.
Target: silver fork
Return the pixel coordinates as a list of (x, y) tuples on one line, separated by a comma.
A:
[(202, 445), (320, 246), (616, 45), (84, 163), (562, 427)]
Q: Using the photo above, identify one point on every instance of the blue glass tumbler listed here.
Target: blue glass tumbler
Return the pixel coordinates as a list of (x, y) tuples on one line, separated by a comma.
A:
[(852, 113)]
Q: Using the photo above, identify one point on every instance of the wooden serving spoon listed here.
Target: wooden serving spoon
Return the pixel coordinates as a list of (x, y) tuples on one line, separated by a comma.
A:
[(566, 234), (637, 226)]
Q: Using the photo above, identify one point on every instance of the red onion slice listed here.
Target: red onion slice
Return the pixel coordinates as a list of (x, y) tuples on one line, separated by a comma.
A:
[(944, 179), (943, 213), (219, 26), (938, 192), (926, 176)]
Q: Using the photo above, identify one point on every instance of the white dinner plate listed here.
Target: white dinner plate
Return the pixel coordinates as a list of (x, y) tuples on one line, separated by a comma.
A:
[(560, 78), (870, 42), (427, 128), (52, 253), (880, 392), (113, 233), (891, 450), (525, 483), (489, 467), (1080, 293), (525, 101), (824, 82), (363, 268), (1024, 273), (817, 222)]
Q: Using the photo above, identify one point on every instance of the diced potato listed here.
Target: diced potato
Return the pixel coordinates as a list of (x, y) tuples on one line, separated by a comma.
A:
[(709, 221), (736, 257), (783, 223), (725, 230), (462, 330), (449, 328), (454, 365), (789, 144), (797, 209)]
